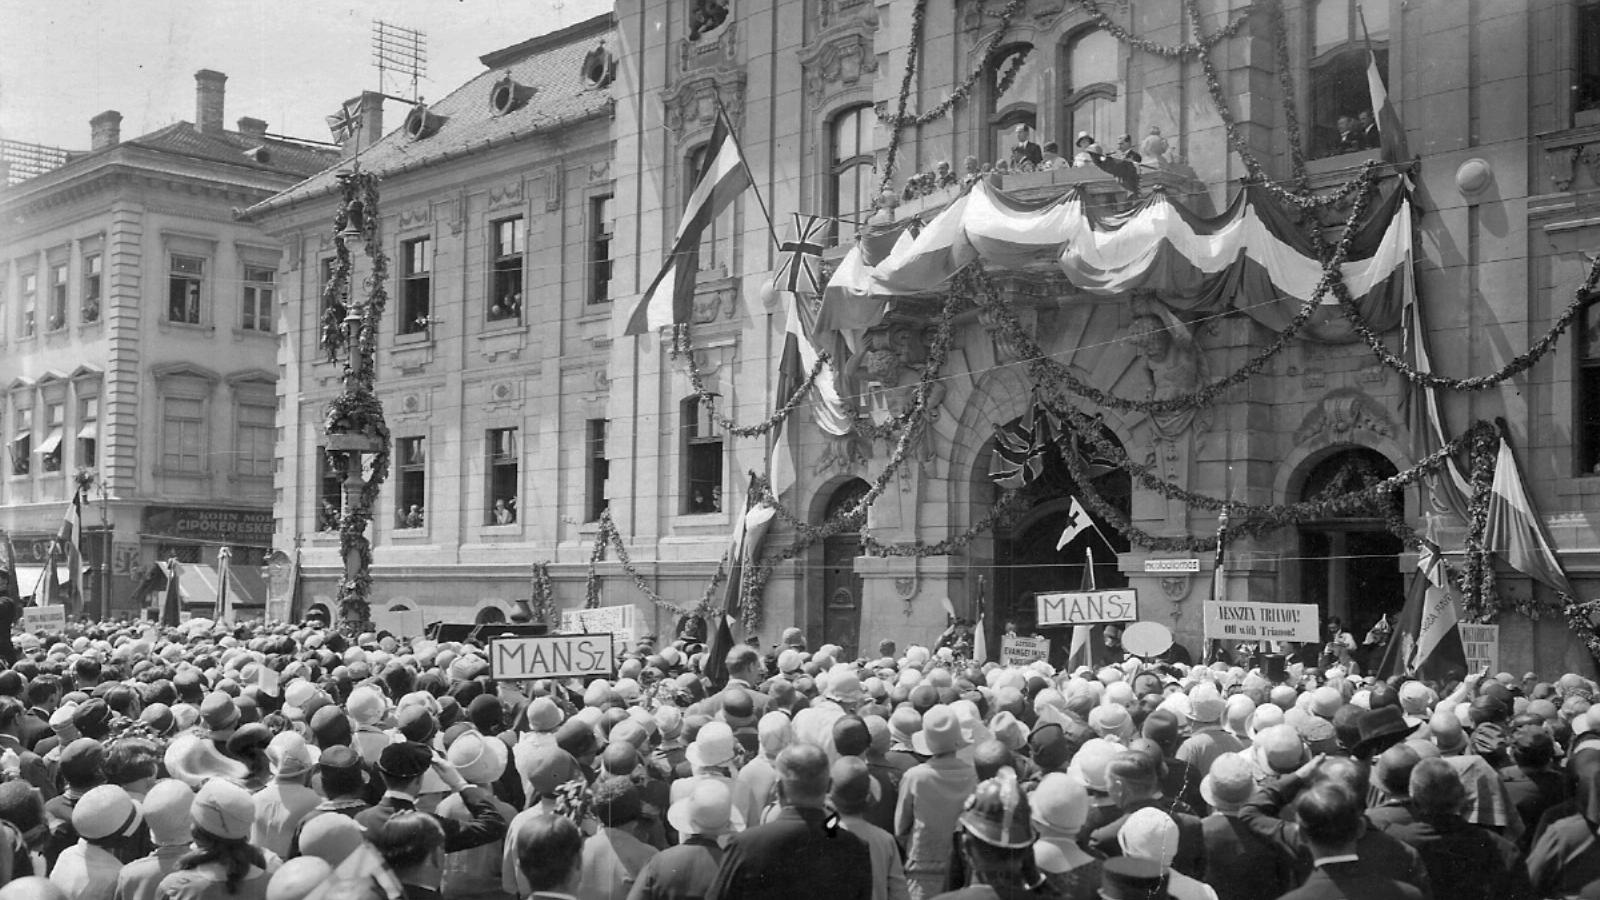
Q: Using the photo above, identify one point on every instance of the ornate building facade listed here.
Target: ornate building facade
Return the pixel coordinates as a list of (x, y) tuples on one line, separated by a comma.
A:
[(138, 333)]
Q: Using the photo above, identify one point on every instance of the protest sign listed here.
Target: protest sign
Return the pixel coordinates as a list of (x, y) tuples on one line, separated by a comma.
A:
[(44, 618), (1087, 607), (1016, 650), (1482, 643), (615, 620), (1243, 620), (551, 656)]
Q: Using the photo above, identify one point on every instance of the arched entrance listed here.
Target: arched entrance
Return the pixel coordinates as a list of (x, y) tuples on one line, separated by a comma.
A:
[(490, 615), (841, 583), (1026, 558), (1349, 563)]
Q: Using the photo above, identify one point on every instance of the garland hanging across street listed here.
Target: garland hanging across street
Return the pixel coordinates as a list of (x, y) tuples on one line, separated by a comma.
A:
[(607, 535), (918, 17), (1171, 51), (683, 347), (357, 410), (1004, 506), (964, 90)]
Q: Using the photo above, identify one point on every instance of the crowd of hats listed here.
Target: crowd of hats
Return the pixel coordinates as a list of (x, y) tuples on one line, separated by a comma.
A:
[(228, 709)]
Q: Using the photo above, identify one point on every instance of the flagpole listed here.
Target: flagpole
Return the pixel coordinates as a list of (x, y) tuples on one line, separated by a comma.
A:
[(772, 230)]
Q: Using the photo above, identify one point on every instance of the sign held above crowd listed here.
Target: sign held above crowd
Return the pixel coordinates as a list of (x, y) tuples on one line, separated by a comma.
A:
[(1087, 607), (551, 656), (1242, 620)]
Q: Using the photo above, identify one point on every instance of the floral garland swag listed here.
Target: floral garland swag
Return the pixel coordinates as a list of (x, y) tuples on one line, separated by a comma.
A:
[(357, 411)]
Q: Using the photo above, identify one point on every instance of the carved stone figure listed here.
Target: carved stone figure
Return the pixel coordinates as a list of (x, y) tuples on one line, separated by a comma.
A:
[(1174, 362)]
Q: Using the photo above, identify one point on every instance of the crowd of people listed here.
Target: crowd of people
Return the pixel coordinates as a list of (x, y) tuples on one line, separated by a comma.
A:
[(284, 762)]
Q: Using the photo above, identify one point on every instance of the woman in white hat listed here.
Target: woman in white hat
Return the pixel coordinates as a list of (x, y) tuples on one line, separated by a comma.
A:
[(931, 797), (714, 756), (702, 819), (476, 872), (1059, 808), (223, 865)]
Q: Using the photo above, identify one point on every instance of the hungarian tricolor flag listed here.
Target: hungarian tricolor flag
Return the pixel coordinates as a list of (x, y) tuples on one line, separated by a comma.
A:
[(1515, 529), (1391, 134), (1081, 653), (722, 177), (69, 543), (1426, 642), (748, 533), (799, 357)]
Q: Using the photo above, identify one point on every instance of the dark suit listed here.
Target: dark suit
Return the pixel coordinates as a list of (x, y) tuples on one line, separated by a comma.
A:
[(1341, 881), (797, 856), (1465, 862), (486, 826), (1191, 858), (33, 727), (1241, 864)]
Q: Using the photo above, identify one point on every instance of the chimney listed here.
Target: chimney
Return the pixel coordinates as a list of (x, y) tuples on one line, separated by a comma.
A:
[(371, 124), (254, 128), (208, 92), (105, 130)]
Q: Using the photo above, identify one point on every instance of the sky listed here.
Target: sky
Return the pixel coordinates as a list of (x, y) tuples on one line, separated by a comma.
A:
[(290, 62)]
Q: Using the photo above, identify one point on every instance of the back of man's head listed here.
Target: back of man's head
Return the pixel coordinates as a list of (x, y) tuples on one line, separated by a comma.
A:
[(990, 757), (1352, 773), (1135, 773), (803, 774), (41, 690), (1435, 789), (1330, 816), (743, 659), (1394, 769)]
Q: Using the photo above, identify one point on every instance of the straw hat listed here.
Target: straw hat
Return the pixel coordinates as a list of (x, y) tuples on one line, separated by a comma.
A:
[(706, 810)]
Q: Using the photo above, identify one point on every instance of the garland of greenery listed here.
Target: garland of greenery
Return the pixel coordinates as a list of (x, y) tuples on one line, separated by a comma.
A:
[(1516, 366), (964, 90), (607, 535), (1170, 51), (682, 347), (1478, 582), (358, 410), (1048, 371), (544, 594), (591, 582), (1004, 506), (1580, 618), (1291, 113), (918, 16)]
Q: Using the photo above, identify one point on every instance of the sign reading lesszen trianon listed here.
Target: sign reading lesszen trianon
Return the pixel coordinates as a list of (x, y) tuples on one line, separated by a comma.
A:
[(1246, 621), (551, 656), (1087, 607)]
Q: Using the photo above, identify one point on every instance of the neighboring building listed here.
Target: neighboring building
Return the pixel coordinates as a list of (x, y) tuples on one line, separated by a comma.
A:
[(138, 336), (496, 215)]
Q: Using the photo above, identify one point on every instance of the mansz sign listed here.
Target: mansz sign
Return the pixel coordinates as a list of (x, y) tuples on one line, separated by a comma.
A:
[(1087, 607)]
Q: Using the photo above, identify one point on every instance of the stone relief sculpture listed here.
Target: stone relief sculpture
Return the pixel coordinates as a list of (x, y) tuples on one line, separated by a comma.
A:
[(1175, 365), (883, 379)]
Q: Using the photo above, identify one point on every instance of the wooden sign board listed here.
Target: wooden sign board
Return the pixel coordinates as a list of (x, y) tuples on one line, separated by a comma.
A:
[(1087, 607), (1482, 643), (44, 618), (1016, 650), (1231, 620), (552, 656)]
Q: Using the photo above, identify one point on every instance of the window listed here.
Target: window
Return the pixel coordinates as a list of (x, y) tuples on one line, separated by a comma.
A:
[(702, 457), (257, 299), (50, 448), (182, 434), (20, 444), (90, 309), (501, 504), (30, 303), (412, 490), (1092, 97), (596, 468), (1588, 430), (1012, 102), (716, 242), (850, 168), (330, 497), (505, 290), (183, 289), (416, 284), (56, 312), (1341, 102), (253, 441), (600, 211), (88, 431)]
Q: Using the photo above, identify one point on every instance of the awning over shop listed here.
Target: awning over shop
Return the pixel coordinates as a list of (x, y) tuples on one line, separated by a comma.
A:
[(51, 443), (197, 586)]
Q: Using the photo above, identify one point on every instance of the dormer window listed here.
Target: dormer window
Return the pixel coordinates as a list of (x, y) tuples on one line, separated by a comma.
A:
[(421, 123), (507, 95)]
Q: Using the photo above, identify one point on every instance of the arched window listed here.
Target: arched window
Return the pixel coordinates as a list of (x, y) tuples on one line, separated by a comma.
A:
[(1341, 103), (1092, 95), (1013, 101), (850, 165)]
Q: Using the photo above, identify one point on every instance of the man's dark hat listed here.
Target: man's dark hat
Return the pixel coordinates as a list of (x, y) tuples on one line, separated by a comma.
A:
[(1380, 729)]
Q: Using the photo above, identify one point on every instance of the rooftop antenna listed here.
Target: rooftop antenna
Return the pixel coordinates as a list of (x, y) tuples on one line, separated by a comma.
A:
[(401, 50), (557, 6)]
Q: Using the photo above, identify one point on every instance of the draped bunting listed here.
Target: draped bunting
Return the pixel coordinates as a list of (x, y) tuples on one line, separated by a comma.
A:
[(1251, 257)]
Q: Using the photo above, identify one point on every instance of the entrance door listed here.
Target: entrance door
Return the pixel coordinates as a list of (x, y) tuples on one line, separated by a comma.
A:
[(841, 584)]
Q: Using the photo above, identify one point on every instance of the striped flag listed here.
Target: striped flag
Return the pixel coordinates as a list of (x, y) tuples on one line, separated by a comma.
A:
[(798, 358), (1448, 490), (1515, 529), (1081, 653), (748, 533), (172, 598), (797, 274), (1391, 134), (1426, 642), (8, 578), (1219, 573), (980, 637), (69, 542), (224, 611), (723, 177)]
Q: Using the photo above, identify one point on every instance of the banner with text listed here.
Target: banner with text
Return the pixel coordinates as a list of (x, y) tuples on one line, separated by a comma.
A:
[(44, 618), (1245, 621), (551, 656), (1482, 643), (1016, 650), (1087, 607), (615, 620)]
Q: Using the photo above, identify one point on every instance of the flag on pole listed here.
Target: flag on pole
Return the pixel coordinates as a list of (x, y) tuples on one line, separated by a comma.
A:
[(346, 122), (722, 177), (802, 255), (224, 612), (8, 578), (1078, 522), (69, 542), (1515, 529), (172, 601), (980, 639), (1449, 489), (743, 546), (1081, 652), (1391, 134), (798, 358), (1426, 641)]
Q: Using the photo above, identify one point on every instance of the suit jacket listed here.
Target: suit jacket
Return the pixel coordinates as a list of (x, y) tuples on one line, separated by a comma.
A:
[(1241, 864), (1363, 879), (1191, 858), (800, 855), (712, 705), (33, 727), (486, 826), (1465, 862)]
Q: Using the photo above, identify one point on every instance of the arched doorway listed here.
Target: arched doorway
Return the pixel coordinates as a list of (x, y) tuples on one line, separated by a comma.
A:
[(1349, 563), (1027, 560), (841, 583), (490, 615)]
